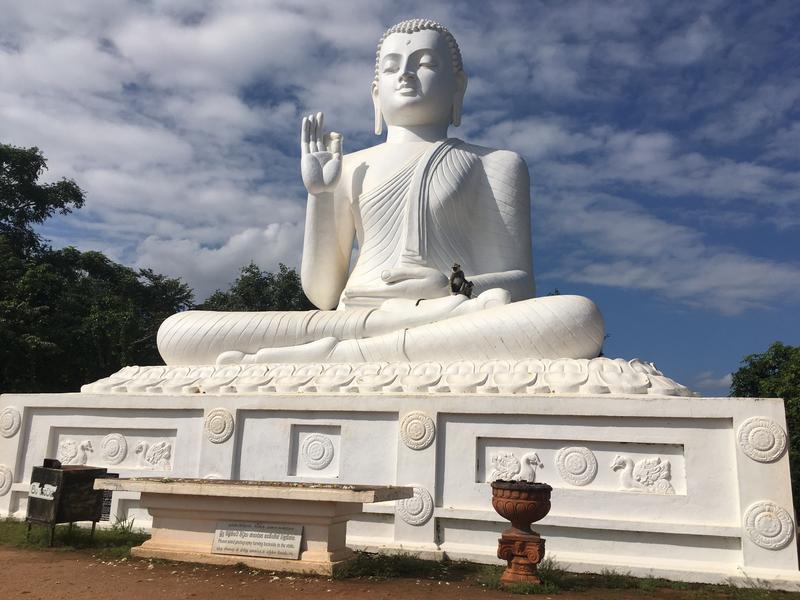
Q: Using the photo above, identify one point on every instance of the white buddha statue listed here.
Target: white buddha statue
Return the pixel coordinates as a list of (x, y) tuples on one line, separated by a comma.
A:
[(416, 204)]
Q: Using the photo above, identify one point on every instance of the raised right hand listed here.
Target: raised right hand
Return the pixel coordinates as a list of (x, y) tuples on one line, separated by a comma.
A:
[(321, 156)]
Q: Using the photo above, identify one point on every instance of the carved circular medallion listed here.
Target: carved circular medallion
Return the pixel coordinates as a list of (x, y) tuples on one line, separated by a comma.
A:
[(317, 451), (768, 525), (417, 430), (10, 420), (219, 425), (762, 439), (416, 510), (114, 448), (577, 465), (6, 479)]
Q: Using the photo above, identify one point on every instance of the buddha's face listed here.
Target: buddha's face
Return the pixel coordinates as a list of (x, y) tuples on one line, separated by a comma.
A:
[(416, 83)]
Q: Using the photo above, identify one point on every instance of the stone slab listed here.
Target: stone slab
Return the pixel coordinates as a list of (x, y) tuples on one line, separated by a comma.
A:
[(319, 492)]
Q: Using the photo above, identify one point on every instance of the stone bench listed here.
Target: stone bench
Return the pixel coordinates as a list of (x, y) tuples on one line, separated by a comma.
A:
[(272, 525)]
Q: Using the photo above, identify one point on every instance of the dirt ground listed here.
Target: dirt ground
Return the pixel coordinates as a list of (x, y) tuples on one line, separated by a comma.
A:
[(59, 574)]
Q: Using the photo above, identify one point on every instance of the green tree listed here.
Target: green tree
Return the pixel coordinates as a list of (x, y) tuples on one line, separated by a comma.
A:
[(776, 374), (24, 202), (255, 289), (67, 317)]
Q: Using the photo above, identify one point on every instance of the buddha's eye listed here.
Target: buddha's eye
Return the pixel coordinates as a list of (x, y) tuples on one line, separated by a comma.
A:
[(428, 62), (390, 67)]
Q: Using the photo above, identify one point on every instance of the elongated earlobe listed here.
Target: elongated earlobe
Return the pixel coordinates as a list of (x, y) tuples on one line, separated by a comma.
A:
[(376, 103), (458, 99), (455, 117)]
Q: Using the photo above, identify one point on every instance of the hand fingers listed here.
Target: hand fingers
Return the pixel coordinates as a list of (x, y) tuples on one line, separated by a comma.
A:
[(320, 133), (304, 136), (336, 143), (402, 273), (364, 292), (312, 133)]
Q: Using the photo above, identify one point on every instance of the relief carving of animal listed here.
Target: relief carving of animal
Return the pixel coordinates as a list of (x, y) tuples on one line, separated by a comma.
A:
[(650, 475)]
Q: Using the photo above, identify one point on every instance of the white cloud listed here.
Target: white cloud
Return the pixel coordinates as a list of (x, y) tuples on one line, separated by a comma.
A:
[(179, 118), (615, 243), (202, 265), (709, 383), (691, 44)]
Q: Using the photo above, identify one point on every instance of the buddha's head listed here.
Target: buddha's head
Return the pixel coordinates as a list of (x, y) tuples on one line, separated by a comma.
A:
[(419, 76)]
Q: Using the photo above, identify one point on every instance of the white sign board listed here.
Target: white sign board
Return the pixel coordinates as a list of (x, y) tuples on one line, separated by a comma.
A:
[(270, 540)]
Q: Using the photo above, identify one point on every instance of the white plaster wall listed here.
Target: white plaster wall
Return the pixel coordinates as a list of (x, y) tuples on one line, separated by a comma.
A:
[(694, 526)]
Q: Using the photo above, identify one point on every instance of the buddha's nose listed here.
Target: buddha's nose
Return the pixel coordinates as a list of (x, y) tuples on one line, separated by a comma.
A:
[(407, 75)]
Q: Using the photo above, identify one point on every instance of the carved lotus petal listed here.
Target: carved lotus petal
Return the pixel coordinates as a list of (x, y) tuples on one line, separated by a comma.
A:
[(245, 384), (285, 385), (496, 366), (514, 382), (332, 383), (625, 383), (106, 384), (664, 386), (462, 383), (374, 383), (419, 383), (565, 377), (172, 385), (640, 366)]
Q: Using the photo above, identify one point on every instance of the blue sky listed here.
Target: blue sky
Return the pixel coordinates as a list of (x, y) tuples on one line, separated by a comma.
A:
[(662, 140)]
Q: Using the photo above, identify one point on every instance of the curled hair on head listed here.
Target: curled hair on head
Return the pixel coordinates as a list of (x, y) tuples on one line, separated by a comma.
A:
[(414, 25)]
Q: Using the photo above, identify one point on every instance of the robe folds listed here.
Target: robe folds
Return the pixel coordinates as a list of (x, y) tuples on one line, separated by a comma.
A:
[(444, 206)]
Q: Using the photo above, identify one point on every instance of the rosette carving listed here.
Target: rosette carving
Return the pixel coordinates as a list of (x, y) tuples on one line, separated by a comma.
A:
[(576, 465), (417, 430), (114, 448), (10, 420), (769, 525), (762, 439), (317, 451), (416, 510), (6, 479), (219, 425)]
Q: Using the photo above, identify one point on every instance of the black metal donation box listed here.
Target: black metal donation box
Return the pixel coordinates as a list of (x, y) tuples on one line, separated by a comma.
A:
[(64, 494)]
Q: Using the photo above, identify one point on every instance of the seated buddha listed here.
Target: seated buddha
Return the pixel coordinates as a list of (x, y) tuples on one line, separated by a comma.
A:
[(416, 205)]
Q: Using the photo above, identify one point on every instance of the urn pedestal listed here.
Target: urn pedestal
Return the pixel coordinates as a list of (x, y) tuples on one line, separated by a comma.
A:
[(522, 503)]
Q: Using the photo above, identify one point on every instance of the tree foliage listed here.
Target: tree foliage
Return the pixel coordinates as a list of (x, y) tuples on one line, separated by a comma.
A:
[(255, 289), (24, 202), (776, 374), (69, 317)]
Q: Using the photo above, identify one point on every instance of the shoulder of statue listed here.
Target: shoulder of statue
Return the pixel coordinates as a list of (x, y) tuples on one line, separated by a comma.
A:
[(359, 156), (503, 163)]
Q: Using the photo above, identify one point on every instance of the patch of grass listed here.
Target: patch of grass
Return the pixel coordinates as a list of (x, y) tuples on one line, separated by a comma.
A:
[(114, 542), (754, 590), (552, 576), (386, 566), (555, 579)]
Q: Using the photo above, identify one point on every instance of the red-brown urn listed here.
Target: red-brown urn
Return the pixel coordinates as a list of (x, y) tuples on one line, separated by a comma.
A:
[(522, 503)]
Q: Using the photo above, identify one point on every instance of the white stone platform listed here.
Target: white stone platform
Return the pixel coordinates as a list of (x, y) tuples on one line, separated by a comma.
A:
[(188, 514), (688, 488)]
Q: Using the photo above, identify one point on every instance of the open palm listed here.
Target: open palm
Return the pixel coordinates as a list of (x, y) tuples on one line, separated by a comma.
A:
[(321, 156)]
